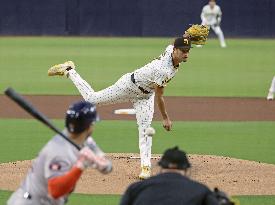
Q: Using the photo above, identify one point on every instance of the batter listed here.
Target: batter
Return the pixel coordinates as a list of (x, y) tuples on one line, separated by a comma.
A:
[(59, 165)]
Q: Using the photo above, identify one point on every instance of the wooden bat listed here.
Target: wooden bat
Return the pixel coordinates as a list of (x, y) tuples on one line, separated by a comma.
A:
[(27, 106)]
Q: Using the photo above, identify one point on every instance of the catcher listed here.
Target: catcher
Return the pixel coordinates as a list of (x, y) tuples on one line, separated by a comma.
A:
[(139, 87)]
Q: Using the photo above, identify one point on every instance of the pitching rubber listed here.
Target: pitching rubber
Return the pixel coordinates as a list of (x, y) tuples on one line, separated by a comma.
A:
[(125, 112)]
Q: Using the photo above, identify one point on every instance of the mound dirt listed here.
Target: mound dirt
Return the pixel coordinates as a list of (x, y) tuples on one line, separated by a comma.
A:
[(235, 176)]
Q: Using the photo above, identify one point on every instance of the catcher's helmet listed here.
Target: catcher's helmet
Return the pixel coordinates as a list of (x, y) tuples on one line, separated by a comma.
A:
[(80, 116), (174, 159)]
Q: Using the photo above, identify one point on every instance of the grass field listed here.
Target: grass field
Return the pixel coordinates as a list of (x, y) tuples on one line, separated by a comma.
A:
[(82, 199), (220, 138), (245, 68)]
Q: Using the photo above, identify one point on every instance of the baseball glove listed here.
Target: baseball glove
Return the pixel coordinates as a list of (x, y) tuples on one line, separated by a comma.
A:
[(197, 33)]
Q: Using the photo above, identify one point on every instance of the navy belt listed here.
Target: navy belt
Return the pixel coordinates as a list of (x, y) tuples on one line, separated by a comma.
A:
[(141, 89)]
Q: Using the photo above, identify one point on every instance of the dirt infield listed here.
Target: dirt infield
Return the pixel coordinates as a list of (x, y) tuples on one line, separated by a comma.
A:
[(237, 177), (179, 108)]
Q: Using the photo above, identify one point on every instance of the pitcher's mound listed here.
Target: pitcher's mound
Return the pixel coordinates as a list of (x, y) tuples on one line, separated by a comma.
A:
[(234, 176)]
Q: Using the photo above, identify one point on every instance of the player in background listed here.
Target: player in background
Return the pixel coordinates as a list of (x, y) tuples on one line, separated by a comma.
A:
[(59, 165), (138, 87), (271, 91), (211, 15)]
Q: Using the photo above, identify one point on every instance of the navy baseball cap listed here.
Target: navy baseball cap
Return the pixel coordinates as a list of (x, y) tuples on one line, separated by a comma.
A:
[(182, 42), (174, 159)]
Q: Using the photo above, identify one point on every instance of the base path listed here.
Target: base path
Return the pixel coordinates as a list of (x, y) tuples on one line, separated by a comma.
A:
[(179, 108)]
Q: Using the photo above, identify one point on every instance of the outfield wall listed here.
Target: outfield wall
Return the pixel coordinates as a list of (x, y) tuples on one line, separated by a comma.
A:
[(249, 18)]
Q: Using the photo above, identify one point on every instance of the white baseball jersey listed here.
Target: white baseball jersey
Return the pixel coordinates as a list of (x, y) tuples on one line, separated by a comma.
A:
[(159, 71), (211, 16), (55, 159)]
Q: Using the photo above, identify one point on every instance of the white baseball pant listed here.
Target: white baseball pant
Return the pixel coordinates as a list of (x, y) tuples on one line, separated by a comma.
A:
[(219, 33), (124, 90)]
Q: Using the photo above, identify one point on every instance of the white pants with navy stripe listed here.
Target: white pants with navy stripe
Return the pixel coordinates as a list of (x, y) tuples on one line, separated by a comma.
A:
[(124, 90)]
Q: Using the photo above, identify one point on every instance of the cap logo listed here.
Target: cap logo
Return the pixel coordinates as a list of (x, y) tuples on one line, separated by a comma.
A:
[(185, 41)]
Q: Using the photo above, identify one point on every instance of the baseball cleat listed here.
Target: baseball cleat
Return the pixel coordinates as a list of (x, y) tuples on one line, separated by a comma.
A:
[(270, 96), (61, 69), (145, 172)]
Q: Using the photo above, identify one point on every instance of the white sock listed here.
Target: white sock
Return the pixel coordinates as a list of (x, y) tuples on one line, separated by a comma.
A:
[(83, 87), (145, 145)]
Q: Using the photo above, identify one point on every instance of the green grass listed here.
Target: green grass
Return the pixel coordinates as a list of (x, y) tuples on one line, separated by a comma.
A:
[(77, 199), (84, 199), (245, 140), (245, 68), (256, 200)]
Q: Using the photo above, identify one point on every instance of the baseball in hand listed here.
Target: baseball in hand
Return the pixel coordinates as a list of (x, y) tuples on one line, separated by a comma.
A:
[(150, 131)]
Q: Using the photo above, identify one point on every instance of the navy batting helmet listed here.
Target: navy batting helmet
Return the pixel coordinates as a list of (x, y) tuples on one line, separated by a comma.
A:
[(80, 116)]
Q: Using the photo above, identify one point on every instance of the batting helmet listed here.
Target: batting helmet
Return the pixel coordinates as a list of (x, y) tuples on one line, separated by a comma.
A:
[(174, 159), (80, 116)]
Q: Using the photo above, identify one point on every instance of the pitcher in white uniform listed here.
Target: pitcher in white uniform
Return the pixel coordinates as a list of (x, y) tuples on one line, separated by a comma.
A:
[(138, 87), (59, 165), (211, 15)]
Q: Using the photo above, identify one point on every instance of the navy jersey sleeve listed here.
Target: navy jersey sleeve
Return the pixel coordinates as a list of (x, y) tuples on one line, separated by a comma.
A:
[(210, 199), (130, 194)]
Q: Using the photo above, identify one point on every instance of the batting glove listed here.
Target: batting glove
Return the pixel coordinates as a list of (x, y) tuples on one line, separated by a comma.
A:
[(86, 158)]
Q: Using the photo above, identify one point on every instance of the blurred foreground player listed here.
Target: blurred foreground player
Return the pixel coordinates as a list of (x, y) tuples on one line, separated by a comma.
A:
[(59, 165)]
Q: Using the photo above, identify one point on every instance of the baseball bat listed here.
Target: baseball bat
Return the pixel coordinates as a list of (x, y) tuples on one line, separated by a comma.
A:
[(27, 106)]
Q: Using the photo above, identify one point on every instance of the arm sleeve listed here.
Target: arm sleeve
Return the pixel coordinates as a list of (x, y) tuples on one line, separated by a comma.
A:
[(203, 20), (160, 78), (83, 87), (64, 184), (128, 197), (159, 73), (210, 199)]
